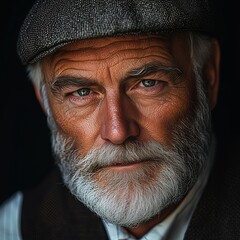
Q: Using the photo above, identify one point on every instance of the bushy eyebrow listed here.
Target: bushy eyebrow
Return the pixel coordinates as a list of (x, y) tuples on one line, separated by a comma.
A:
[(61, 82), (152, 68)]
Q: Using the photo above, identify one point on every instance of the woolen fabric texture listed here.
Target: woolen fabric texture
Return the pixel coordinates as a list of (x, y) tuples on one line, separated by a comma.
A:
[(52, 24)]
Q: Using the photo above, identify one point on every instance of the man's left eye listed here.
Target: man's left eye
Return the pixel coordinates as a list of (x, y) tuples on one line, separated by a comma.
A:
[(148, 83), (82, 92)]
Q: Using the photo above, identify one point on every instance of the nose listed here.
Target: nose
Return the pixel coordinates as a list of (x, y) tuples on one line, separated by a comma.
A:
[(118, 120)]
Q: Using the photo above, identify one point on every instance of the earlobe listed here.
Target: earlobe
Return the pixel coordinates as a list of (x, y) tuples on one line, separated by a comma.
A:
[(212, 70), (39, 97)]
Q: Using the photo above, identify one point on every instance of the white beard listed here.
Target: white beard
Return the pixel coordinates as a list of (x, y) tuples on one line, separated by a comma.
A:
[(132, 197), (128, 197)]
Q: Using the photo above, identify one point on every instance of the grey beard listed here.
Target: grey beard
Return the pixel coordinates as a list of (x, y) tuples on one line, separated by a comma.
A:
[(130, 198)]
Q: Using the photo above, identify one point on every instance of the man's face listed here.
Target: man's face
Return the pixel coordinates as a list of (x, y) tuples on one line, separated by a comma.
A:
[(123, 113), (116, 90)]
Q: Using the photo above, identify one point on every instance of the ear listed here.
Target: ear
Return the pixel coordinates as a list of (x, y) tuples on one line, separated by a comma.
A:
[(39, 97), (211, 73)]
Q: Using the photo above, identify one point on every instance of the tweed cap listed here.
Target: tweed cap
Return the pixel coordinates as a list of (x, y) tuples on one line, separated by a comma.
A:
[(51, 24)]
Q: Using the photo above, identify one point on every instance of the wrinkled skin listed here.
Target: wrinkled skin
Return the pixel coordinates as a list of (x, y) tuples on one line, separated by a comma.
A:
[(99, 93)]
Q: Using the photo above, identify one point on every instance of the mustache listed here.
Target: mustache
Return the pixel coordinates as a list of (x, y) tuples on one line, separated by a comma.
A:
[(128, 153)]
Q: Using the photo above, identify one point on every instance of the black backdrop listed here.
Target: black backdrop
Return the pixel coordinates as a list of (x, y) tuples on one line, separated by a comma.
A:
[(25, 154)]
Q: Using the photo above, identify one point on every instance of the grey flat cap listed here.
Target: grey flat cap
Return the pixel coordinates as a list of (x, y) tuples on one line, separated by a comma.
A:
[(51, 24)]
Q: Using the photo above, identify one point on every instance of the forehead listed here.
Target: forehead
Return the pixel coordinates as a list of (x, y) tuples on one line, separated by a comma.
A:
[(169, 49)]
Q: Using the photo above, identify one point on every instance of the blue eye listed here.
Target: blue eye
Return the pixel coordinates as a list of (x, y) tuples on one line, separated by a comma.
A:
[(83, 92), (148, 83)]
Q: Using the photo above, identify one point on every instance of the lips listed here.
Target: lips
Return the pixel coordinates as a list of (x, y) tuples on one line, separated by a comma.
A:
[(126, 165)]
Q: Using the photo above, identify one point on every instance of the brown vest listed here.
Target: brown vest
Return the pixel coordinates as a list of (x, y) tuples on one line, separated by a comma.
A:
[(51, 212)]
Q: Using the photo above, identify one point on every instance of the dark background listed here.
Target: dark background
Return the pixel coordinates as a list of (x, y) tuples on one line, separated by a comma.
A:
[(25, 154)]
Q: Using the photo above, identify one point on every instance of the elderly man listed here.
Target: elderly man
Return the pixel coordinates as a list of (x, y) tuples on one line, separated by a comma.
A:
[(127, 88)]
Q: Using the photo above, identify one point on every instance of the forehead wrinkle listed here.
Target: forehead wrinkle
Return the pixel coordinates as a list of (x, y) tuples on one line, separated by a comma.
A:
[(61, 63), (118, 56), (138, 53), (111, 48), (71, 70)]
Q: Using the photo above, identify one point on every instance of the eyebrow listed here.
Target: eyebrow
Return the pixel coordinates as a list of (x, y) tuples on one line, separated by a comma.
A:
[(65, 81), (152, 68)]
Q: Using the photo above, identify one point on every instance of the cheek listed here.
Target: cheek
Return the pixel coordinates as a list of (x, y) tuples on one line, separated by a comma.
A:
[(160, 120), (83, 128)]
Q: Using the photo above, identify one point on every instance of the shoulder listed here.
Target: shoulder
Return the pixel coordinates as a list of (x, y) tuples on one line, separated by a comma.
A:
[(10, 212)]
